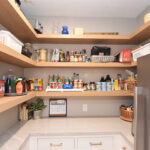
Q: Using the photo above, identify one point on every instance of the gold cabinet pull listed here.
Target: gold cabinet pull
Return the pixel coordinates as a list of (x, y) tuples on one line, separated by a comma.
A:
[(124, 148), (95, 144), (56, 145)]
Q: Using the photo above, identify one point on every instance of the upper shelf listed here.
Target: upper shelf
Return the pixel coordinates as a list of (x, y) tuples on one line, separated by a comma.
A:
[(14, 20), (10, 56)]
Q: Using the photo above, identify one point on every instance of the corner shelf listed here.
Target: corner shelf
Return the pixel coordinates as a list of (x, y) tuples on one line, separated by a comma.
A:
[(23, 30), (10, 56), (9, 102)]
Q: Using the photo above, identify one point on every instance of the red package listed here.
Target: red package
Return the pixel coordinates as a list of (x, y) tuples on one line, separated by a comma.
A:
[(125, 56)]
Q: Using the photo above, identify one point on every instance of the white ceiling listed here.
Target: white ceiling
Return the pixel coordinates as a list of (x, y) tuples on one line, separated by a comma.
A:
[(86, 8)]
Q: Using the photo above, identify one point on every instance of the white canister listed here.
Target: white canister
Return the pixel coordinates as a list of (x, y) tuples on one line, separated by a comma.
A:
[(147, 18)]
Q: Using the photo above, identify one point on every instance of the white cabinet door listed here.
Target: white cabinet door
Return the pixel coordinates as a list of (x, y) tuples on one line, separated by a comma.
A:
[(120, 143), (95, 143), (58, 143)]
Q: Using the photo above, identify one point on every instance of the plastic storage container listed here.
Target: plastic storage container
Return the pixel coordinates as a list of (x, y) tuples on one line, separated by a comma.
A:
[(10, 40), (142, 51)]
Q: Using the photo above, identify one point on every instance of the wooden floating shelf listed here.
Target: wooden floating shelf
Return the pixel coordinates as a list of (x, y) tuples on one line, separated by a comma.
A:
[(9, 102), (85, 93), (86, 65), (10, 56), (22, 29)]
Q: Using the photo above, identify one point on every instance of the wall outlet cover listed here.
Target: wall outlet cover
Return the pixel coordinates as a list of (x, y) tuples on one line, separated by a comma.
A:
[(84, 107)]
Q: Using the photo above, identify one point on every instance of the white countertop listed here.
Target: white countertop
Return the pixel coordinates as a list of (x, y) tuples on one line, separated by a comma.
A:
[(15, 137)]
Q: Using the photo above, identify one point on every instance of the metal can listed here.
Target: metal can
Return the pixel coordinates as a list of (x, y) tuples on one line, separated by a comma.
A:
[(75, 85), (103, 87), (92, 86), (88, 86), (109, 86), (80, 85), (59, 85), (98, 86)]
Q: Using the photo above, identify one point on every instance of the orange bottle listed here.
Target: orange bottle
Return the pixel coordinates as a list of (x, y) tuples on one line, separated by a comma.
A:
[(19, 86)]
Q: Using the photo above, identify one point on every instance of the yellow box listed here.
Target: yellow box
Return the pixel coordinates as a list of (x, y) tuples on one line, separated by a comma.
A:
[(78, 31)]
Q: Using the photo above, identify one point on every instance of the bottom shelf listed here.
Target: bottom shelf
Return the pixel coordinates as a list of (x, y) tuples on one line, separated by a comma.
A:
[(7, 102)]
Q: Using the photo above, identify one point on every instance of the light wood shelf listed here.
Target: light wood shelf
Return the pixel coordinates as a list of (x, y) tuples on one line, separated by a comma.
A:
[(14, 20), (10, 56), (9, 102), (86, 65), (85, 94)]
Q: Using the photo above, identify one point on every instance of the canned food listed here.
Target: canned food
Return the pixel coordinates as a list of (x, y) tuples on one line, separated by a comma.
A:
[(59, 85), (103, 87), (80, 85), (109, 86), (88, 86), (75, 85), (98, 86)]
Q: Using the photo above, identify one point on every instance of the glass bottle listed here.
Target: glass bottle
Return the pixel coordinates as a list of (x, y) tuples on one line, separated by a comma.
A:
[(67, 57)]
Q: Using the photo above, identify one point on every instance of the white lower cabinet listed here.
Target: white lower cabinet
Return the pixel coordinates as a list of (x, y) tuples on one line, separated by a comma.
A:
[(95, 143), (102, 142), (61, 143)]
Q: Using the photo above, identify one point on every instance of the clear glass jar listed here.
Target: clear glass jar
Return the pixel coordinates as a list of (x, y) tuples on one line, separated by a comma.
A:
[(43, 55)]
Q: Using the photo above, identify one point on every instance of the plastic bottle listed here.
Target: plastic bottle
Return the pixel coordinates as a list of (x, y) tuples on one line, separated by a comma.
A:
[(19, 86)]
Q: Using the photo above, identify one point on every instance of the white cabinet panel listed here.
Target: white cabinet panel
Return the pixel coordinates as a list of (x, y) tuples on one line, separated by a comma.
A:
[(95, 143), (61, 143)]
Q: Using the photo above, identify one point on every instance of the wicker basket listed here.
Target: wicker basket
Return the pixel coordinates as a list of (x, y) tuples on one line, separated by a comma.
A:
[(131, 85), (127, 115)]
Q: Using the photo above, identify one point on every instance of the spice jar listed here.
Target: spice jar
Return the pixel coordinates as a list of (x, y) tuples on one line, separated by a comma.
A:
[(43, 54), (2, 88)]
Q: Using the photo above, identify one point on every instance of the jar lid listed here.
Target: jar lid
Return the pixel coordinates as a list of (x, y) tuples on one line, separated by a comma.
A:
[(2, 81)]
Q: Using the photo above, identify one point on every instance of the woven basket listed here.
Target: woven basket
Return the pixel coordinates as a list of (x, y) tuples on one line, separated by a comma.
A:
[(131, 85), (127, 115)]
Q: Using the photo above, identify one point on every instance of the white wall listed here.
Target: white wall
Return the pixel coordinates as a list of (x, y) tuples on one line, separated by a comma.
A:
[(123, 26), (96, 105), (140, 18)]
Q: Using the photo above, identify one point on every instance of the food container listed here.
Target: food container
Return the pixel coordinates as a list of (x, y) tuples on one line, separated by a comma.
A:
[(2, 88), (10, 40), (43, 55), (142, 51), (127, 114), (108, 86), (97, 59), (40, 84), (103, 87), (98, 86)]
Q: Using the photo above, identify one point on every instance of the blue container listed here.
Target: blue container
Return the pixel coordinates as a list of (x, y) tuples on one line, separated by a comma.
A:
[(103, 87), (98, 86), (67, 86), (65, 30), (109, 87)]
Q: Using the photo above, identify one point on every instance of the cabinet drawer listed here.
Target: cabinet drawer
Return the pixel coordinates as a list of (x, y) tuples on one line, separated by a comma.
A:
[(95, 143), (55, 143)]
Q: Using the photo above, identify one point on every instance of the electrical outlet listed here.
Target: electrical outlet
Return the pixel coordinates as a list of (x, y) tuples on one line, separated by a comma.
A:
[(84, 107)]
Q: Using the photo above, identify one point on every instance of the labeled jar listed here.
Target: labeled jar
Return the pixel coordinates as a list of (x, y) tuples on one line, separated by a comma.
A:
[(2, 88), (43, 55)]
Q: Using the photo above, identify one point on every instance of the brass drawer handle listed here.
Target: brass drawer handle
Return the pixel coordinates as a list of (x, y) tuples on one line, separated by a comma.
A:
[(56, 145), (95, 144), (124, 148)]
